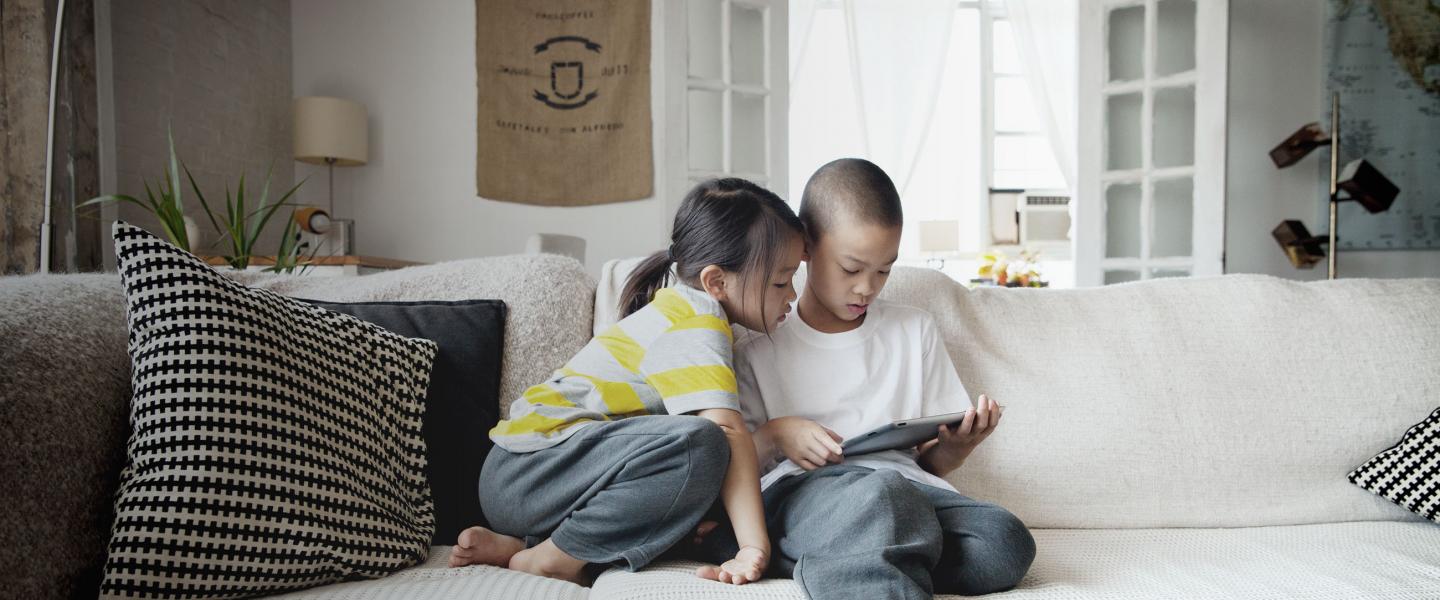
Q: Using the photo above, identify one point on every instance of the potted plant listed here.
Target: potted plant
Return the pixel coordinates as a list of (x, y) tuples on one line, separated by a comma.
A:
[(239, 225)]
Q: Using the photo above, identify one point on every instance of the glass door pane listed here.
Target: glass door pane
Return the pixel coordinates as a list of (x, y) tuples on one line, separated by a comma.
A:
[(747, 143), (1122, 118), (1122, 221), (705, 128), (1121, 276), (747, 45), (1174, 127), (1175, 37), (1127, 43), (704, 39), (1173, 214)]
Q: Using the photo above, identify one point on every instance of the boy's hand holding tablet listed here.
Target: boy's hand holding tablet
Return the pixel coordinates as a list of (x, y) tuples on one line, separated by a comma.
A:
[(943, 441), (947, 452)]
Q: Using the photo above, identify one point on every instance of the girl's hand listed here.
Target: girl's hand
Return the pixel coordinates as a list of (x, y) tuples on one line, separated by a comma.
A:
[(806, 443), (954, 444), (747, 566)]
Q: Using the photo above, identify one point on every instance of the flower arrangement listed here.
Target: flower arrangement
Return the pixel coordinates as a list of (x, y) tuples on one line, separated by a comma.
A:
[(998, 269)]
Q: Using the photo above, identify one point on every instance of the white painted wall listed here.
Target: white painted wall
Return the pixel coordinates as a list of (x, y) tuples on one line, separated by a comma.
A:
[(1277, 70), (412, 64)]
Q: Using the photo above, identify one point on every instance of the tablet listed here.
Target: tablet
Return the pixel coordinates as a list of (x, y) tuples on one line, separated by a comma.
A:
[(904, 434)]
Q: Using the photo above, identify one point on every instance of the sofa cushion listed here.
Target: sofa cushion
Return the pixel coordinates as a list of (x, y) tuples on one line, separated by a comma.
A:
[(275, 445), (1335, 561), (462, 401), (1408, 473)]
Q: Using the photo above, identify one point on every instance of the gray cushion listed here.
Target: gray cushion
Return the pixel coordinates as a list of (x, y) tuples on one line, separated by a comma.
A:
[(64, 397)]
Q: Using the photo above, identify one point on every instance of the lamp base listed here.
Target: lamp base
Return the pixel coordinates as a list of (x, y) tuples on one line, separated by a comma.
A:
[(338, 240)]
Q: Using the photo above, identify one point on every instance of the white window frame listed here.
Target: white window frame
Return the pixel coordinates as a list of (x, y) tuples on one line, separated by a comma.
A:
[(1207, 171)]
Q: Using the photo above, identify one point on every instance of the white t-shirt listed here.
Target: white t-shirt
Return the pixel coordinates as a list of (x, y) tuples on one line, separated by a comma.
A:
[(894, 366)]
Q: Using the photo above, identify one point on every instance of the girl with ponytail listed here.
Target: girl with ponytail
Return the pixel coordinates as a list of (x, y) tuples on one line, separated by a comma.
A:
[(620, 453)]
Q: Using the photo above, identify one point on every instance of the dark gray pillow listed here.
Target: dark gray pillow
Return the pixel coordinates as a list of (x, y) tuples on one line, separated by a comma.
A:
[(463, 401)]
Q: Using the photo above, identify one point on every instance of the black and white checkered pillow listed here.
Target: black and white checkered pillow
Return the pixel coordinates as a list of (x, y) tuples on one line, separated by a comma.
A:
[(275, 445), (1408, 473)]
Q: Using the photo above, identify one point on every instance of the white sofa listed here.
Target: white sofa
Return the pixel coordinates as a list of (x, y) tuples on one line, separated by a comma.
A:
[(1185, 438)]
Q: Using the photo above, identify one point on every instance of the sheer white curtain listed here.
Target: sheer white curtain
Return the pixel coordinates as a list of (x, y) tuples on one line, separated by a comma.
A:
[(866, 75), (1046, 33)]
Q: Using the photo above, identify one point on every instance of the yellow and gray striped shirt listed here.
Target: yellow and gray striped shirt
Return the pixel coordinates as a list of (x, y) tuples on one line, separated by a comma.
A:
[(671, 357)]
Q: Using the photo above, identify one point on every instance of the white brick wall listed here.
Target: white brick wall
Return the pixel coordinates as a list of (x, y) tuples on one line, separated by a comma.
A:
[(218, 73)]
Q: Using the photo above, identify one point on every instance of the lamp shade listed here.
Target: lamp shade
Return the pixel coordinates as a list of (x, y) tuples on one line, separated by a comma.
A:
[(331, 128), (939, 236)]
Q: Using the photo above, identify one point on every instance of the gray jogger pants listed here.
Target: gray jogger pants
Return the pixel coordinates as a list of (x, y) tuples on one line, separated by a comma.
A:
[(847, 532), (619, 492)]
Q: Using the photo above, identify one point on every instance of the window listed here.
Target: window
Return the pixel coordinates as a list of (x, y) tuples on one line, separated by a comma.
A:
[(983, 131), (1021, 149)]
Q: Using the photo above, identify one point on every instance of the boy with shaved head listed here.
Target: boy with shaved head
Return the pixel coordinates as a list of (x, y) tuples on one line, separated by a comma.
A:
[(885, 524)]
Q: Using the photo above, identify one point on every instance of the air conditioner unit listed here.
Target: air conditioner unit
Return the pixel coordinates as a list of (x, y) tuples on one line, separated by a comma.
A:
[(1044, 217), (1030, 217)]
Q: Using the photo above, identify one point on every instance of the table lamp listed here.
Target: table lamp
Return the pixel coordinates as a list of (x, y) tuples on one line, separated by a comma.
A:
[(333, 132), (939, 239)]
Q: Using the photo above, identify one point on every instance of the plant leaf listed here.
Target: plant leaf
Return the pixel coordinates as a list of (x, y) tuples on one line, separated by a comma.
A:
[(264, 198), (209, 214), (174, 173), (110, 198)]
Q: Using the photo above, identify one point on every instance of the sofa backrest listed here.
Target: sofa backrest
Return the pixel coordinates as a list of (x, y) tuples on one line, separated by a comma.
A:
[(65, 389), (1232, 401), (549, 301)]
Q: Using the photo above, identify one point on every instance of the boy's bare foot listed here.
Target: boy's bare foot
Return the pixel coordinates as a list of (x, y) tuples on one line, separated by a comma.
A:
[(480, 546), (548, 560), (703, 530)]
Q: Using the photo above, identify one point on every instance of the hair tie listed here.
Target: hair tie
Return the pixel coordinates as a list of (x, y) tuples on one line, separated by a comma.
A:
[(670, 254)]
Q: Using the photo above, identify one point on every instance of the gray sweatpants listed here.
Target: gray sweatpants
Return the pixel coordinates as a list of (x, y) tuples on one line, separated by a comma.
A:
[(845, 532), (615, 493)]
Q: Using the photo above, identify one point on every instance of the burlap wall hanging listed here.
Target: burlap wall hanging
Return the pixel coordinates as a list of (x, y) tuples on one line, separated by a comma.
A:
[(564, 101)]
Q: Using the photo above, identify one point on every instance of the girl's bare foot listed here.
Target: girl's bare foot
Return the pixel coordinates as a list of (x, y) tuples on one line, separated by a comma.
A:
[(480, 546), (548, 560), (747, 566)]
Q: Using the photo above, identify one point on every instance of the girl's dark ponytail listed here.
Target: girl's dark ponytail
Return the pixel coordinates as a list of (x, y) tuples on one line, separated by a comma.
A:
[(730, 223), (647, 278)]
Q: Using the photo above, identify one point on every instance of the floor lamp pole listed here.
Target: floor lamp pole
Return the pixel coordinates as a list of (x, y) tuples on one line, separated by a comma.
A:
[(1334, 175), (45, 225)]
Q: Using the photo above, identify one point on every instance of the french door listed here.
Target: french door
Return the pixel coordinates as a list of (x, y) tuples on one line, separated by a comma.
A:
[(726, 93), (1151, 173)]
